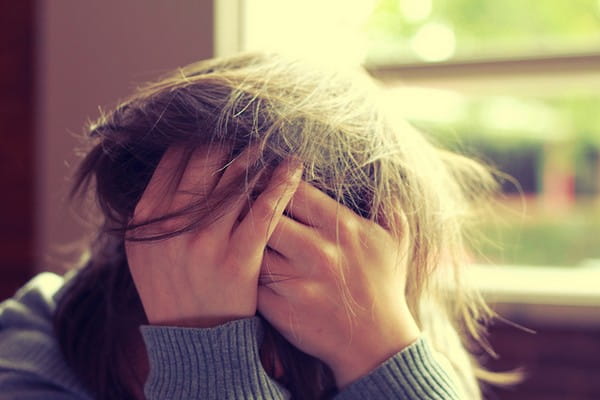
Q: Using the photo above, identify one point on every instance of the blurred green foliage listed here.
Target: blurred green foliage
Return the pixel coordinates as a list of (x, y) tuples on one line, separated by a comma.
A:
[(488, 28), (580, 116), (583, 113), (520, 134), (541, 238)]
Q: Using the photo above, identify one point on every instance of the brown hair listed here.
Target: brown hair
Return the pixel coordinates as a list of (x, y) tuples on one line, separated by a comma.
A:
[(352, 148)]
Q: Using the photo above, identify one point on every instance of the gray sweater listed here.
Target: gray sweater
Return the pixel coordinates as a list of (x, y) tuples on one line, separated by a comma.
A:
[(186, 363)]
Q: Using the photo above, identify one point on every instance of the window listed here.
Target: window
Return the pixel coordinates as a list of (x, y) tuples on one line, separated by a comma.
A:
[(515, 82)]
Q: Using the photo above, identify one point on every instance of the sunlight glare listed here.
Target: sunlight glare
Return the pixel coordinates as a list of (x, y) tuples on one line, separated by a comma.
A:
[(416, 10), (427, 104), (508, 115), (328, 31), (434, 42)]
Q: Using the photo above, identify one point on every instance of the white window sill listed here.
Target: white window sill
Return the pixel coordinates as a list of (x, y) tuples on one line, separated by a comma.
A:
[(543, 295)]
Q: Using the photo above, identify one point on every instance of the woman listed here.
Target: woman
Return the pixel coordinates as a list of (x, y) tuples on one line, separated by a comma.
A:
[(268, 230)]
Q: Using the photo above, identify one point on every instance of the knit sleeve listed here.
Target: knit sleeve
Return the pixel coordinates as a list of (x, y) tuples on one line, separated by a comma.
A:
[(31, 364), (216, 363), (413, 373)]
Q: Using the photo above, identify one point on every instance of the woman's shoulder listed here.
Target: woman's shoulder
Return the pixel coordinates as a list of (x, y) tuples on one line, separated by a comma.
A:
[(33, 305), (29, 352)]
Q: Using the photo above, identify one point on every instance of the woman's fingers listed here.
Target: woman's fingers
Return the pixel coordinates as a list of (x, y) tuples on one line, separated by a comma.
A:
[(199, 175), (254, 231), (206, 173), (275, 269), (314, 208), (157, 196), (233, 170), (291, 239), (272, 306), (238, 166), (198, 178)]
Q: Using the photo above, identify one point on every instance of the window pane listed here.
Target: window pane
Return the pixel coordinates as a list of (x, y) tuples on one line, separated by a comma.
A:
[(401, 31), (551, 146), (549, 141)]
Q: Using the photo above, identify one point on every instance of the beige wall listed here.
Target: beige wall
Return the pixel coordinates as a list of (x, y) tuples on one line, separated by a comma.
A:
[(91, 53)]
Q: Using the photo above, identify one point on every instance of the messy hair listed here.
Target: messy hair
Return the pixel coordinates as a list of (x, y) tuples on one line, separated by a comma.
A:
[(352, 146)]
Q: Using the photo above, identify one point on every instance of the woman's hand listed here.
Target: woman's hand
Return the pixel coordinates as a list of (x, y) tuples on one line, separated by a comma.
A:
[(333, 284), (208, 276)]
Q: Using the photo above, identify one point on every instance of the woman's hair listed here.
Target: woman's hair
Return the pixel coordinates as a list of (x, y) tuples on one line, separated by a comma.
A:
[(352, 147)]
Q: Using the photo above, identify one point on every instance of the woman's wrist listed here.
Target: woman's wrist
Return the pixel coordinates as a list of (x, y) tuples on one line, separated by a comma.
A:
[(198, 322), (358, 362)]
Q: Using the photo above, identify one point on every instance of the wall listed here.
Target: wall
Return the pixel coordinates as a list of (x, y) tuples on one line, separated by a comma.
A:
[(561, 362), (90, 55), (17, 44)]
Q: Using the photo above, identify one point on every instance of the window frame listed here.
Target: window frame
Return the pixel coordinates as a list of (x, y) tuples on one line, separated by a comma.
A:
[(540, 75)]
